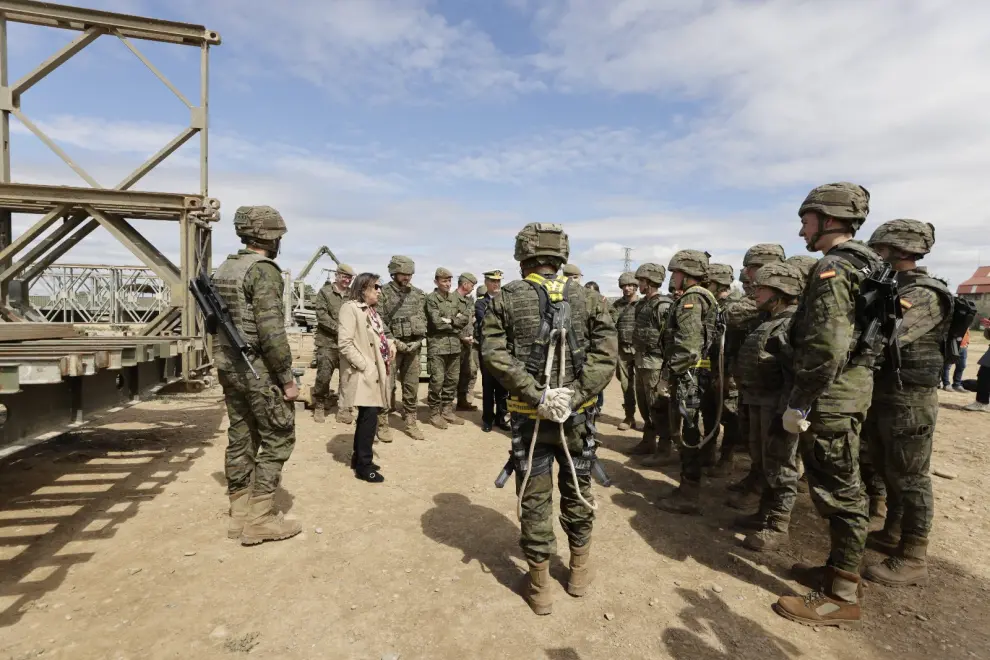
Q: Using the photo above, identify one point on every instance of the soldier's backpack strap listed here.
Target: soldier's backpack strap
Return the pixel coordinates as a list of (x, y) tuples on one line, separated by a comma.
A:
[(555, 314)]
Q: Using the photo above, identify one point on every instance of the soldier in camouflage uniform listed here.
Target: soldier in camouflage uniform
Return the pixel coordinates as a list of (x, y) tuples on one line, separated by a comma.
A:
[(514, 351), (831, 392), (721, 276), (651, 389), (900, 425), (469, 356), (571, 271), (803, 263), (741, 318), (261, 431), (403, 309), (762, 375), (328, 301), (688, 340), (623, 314), (447, 314)]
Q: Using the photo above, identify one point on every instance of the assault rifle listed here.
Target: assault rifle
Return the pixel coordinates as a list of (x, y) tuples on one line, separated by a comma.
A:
[(879, 310), (216, 315), (510, 466)]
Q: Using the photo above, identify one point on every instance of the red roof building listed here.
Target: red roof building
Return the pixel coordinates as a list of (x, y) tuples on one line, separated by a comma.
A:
[(977, 285)]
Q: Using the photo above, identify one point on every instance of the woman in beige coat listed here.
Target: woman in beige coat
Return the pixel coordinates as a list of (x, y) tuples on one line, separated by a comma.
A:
[(366, 360)]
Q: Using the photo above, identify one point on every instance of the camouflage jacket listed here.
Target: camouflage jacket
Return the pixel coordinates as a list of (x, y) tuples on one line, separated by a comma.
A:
[(825, 331), (741, 318), (328, 302), (650, 320), (762, 361), (404, 312), (623, 313), (469, 309), (689, 331), (252, 286), (511, 326), (446, 318)]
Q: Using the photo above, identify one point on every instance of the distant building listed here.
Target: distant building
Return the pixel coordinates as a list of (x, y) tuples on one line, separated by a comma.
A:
[(977, 289)]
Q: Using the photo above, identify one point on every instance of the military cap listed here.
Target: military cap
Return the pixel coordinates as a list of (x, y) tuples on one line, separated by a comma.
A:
[(911, 236), (762, 254), (468, 277), (442, 274), (541, 242), (720, 274), (653, 273), (400, 265), (571, 269), (690, 262), (845, 201), (344, 269), (259, 222), (628, 278), (783, 277), (803, 263), (494, 275)]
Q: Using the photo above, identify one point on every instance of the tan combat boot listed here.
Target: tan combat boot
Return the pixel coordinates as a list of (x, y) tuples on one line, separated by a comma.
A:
[(463, 403), (662, 457), (412, 427), (238, 512), (908, 568), (686, 499), (647, 446), (834, 604), (744, 500), (345, 416), (771, 537), (319, 416), (582, 574), (628, 423), (538, 592), (437, 420), (448, 414), (384, 430), (263, 524), (886, 540), (878, 507)]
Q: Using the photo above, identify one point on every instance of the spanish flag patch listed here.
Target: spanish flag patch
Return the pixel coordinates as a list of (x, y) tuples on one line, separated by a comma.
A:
[(689, 306), (826, 274), (905, 304)]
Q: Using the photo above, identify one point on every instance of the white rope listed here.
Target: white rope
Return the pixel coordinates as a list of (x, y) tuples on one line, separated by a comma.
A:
[(721, 385)]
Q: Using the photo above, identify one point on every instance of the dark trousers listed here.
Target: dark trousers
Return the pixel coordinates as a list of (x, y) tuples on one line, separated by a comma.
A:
[(960, 367), (493, 405), (983, 385), (365, 429)]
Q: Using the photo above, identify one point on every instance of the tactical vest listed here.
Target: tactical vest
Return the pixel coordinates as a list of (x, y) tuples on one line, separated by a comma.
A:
[(709, 323), (757, 369), (649, 324), (229, 281), (405, 313), (922, 359), (625, 320)]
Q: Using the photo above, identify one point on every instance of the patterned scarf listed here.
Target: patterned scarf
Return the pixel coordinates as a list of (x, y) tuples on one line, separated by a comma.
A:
[(379, 328)]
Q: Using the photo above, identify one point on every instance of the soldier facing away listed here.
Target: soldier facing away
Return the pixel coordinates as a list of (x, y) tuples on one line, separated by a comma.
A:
[(469, 356), (447, 315), (516, 345), (624, 317), (328, 301), (261, 434)]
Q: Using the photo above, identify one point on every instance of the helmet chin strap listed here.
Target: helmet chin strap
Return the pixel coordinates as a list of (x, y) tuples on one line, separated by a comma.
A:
[(813, 241)]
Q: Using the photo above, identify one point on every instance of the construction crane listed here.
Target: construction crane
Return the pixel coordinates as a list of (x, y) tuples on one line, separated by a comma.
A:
[(300, 314)]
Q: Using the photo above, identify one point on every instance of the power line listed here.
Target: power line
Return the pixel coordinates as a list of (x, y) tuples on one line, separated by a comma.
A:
[(627, 260)]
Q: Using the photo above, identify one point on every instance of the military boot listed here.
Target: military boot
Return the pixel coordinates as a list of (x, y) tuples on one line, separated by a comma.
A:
[(753, 521), (748, 482), (724, 466), (907, 568), (384, 433), (437, 420), (812, 576), (647, 446), (662, 457), (464, 404), (888, 539), (581, 575), (412, 427), (448, 414), (345, 416), (319, 416), (238, 512), (628, 423), (836, 603), (538, 591), (685, 499), (744, 500), (771, 537), (878, 507), (263, 524)]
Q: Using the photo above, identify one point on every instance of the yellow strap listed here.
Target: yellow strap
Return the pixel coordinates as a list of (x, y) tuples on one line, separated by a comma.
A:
[(704, 364), (555, 287), (521, 407)]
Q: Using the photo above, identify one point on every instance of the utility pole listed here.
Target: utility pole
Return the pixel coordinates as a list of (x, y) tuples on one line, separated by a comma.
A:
[(627, 260)]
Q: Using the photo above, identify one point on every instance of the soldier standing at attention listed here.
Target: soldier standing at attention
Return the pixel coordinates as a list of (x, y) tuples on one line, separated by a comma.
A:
[(328, 301), (403, 308), (493, 410), (262, 430), (446, 318), (624, 317), (516, 347), (900, 425), (721, 276), (650, 318), (688, 339), (572, 272), (469, 356), (831, 392)]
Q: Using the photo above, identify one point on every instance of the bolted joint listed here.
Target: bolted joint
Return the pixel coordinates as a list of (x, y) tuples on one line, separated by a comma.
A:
[(7, 101)]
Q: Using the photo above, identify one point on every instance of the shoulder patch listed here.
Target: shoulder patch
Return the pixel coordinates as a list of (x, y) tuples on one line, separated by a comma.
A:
[(826, 274), (688, 306), (906, 304)]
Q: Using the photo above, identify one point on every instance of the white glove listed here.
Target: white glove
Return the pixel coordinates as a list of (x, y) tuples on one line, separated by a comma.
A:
[(556, 404), (795, 421), (446, 320)]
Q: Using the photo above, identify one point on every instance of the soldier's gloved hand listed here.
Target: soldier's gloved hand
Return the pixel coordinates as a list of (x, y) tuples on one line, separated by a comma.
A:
[(446, 320), (795, 421), (291, 391), (413, 347), (556, 404)]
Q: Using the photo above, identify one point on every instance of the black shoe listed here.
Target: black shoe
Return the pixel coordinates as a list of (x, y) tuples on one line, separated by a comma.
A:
[(504, 425), (486, 427), (372, 476), (373, 465)]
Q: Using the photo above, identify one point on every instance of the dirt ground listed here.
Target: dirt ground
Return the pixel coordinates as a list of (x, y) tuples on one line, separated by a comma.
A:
[(112, 545)]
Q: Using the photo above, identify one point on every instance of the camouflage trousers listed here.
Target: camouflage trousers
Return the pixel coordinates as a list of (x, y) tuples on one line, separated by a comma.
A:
[(537, 539), (900, 437), (444, 372), (830, 450), (405, 374), (469, 371), (692, 431), (778, 459), (733, 434), (261, 434), (625, 369), (327, 361), (654, 404)]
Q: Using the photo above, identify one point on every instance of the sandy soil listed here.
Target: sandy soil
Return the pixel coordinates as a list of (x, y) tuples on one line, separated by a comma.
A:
[(112, 545)]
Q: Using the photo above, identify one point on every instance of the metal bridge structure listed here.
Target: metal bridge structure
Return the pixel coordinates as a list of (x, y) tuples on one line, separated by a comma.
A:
[(41, 381)]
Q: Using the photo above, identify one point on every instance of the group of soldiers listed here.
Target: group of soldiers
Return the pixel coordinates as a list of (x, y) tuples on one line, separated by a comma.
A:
[(794, 369)]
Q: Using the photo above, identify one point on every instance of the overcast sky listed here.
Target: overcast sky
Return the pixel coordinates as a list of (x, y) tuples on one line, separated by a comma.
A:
[(439, 128)]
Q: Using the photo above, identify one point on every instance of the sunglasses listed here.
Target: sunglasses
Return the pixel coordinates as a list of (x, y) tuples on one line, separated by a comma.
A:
[(378, 287)]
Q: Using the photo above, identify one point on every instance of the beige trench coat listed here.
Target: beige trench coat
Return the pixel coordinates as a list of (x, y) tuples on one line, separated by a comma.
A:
[(363, 379)]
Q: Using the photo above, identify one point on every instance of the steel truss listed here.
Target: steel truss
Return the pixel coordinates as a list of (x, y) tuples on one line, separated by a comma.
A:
[(84, 293), (70, 214)]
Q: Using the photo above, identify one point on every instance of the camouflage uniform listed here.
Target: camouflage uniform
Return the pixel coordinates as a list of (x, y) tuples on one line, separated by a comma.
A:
[(651, 389), (328, 302), (261, 431), (446, 317), (510, 331), (404, 311), (721, 277), (623, 314), (900, 425), (469, 356)]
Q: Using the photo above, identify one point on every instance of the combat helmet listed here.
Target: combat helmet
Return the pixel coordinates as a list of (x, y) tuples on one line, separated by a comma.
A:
[(721, 274), (629, 278), (400, 265), (691, 262), (781, 276), (652, 273), (262, 226), (844, 201), (762, 254), (911, 236), (542, 243), (803, 263)]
